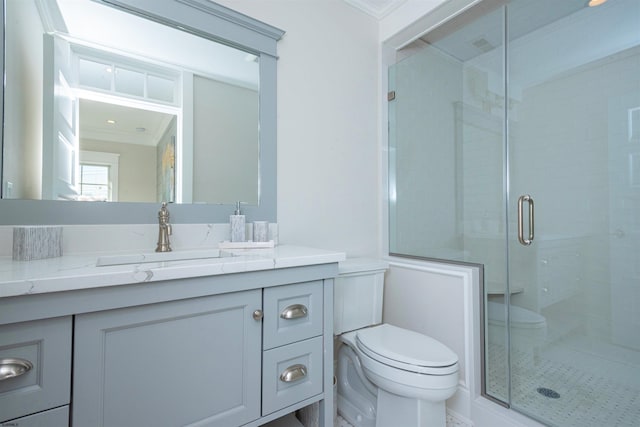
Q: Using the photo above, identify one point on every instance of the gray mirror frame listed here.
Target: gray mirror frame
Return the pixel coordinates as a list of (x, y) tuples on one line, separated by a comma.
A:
[(211, 21)]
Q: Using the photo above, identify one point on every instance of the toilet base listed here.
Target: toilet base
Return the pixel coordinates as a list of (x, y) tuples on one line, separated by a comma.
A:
[(394, 411), (356, 395)]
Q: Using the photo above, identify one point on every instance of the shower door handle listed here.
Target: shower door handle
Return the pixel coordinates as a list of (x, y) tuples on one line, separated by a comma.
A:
[(526, 198)]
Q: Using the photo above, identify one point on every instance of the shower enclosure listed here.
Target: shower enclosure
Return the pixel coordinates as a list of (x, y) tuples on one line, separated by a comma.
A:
[(514, 143)]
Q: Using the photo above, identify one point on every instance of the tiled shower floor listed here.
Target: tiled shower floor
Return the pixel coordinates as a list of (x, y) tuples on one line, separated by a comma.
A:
[(588, 394)]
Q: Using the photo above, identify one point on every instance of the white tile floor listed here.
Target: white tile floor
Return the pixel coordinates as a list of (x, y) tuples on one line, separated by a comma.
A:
[(451, 422)]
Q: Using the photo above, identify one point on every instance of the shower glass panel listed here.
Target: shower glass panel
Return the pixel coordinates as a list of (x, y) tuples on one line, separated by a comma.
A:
[(447, 165), (573, 87), (514, 143)]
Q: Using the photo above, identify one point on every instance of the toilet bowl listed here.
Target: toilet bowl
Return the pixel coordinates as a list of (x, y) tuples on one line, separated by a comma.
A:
[(387, 376), (528, 328)]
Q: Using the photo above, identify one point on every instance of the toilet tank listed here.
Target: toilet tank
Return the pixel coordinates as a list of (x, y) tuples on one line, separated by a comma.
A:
[(357, 295)]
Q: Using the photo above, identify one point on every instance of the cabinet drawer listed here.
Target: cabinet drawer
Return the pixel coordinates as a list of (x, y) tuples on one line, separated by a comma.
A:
[(58, 417), (46, 345), (292, 313), (291, 373)]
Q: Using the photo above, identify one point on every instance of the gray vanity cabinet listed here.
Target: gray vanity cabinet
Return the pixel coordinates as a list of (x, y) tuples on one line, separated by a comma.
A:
[(223, 350), (35, 372), (188, 362)]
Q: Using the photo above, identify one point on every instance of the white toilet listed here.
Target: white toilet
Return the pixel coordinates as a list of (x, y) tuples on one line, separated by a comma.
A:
[(528, 328), (387, 376)]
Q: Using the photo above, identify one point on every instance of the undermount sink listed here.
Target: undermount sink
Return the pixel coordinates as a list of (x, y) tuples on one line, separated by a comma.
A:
[(139, 258)]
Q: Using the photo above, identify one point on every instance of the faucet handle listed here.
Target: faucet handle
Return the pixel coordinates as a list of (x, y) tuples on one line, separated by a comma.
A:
[(164, 229), (163, 213)]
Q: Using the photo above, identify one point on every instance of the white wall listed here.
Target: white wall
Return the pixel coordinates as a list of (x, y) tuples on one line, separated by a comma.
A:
[(328, 148)]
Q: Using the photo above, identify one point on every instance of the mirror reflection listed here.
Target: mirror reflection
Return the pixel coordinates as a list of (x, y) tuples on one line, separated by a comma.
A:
[(126, 154), (96, 113)]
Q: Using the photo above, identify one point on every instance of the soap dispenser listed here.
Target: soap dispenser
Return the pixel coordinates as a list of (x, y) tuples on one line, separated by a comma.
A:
[(237, 222)]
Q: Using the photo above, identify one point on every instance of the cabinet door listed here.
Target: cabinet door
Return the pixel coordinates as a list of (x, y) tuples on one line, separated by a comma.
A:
[(180, 363), (45, 347)]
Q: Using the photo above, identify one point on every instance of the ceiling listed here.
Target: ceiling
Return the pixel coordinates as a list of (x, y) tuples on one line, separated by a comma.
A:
[(116, 123), (376, 8)]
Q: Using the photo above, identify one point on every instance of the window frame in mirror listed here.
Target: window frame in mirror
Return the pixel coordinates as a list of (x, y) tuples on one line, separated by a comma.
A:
[(208, 20)]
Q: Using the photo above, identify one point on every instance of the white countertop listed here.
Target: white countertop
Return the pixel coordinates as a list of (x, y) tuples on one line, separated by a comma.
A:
[(73, 272)]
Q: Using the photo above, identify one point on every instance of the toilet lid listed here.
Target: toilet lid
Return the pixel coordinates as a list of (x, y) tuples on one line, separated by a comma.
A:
[(407, 350)]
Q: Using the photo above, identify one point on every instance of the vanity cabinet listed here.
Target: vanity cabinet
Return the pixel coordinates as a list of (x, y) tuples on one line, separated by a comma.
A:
[(238, 349)]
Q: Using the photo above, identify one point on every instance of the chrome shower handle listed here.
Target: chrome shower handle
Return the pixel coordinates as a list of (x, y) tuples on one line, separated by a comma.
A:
[(526, 198)]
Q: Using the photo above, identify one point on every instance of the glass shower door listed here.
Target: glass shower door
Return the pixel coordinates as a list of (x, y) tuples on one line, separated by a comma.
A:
[(573, 211)]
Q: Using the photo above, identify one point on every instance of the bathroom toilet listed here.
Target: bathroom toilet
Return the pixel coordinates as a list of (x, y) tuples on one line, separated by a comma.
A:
[(528, 328), (387, 376)]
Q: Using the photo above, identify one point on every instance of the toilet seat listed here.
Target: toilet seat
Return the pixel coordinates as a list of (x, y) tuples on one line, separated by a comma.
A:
[(406, 350)]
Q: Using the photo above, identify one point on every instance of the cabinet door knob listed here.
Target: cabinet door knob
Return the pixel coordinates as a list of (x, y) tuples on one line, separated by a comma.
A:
[(294, 311), (11, 368), (293, 373), (258, 314)]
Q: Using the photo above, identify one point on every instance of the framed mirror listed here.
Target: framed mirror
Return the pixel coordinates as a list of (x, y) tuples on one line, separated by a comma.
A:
[(132, 103)]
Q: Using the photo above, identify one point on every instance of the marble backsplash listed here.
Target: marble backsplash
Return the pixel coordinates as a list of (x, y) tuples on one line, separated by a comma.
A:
[(77, 239)]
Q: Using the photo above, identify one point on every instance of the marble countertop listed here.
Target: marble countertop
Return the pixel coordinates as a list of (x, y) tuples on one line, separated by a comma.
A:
[(72, 272)]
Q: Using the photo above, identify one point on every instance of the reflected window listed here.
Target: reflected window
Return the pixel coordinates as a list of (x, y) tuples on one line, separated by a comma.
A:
[(95, 74), (100, 71), (160, 88), (129, 82), (98, 176), (94, 182)]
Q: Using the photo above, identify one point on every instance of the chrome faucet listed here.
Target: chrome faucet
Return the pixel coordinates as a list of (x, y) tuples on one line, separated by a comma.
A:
[(165, 229)]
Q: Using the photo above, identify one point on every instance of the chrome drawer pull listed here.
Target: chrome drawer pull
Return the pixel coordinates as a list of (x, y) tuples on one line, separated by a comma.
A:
[(293, 373), (10, 368), (294, 311)]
